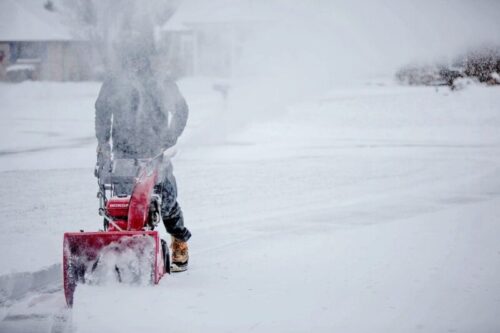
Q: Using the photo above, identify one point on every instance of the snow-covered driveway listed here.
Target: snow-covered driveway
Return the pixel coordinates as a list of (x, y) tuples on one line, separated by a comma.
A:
[(372, 208)]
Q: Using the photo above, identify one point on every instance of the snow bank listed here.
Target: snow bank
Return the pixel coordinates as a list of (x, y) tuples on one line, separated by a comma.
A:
[(373, 201)]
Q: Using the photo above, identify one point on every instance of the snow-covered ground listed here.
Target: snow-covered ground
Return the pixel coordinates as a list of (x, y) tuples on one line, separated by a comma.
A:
[(369, 208)]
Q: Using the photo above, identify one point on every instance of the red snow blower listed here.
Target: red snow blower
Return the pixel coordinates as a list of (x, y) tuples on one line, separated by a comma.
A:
[(128, 249)]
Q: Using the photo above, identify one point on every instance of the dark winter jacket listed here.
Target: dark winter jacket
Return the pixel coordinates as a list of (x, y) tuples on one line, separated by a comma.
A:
[(133, 110)]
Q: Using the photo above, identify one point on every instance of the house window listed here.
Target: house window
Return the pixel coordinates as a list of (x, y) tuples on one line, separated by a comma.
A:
[(27, 50)]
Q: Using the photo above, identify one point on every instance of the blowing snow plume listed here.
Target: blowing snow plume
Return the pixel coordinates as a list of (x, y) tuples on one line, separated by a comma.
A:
[(285, 51), (275, 52), (339, 39), (119, 28)]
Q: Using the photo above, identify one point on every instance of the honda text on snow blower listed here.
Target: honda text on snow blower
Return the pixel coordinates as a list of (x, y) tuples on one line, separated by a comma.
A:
[(128, 249)]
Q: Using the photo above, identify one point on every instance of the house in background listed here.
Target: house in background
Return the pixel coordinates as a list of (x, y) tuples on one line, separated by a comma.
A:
[(35, 44), (202, 38), (207, 38)]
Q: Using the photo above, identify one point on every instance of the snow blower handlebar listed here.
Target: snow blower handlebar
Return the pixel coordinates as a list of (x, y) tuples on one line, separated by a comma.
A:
[(117, 177), (104, 160)]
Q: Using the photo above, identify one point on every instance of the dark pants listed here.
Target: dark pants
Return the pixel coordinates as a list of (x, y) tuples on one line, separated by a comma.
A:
[(170, 210)]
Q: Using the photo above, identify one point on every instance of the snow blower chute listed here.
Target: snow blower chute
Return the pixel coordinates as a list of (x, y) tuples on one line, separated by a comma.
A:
[(128, 249)]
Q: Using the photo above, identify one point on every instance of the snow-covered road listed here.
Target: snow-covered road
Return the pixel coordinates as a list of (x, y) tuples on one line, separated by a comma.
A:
[(372, 208)]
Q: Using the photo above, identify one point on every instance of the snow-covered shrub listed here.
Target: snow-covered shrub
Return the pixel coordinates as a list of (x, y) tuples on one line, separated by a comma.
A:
[(420, 75), (483, 64)]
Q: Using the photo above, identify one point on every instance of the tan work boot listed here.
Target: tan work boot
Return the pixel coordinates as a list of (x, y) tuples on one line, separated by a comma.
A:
[(180, 256)]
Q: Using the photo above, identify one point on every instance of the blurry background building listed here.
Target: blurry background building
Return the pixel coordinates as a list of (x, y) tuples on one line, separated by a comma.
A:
[(36, 44), (84, 39), (208, 40)]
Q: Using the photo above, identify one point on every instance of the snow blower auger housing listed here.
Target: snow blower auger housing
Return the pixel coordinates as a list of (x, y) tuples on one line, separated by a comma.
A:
[(128, 249)]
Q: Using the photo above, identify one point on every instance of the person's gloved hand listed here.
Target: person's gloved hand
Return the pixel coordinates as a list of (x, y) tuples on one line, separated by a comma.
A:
[(169, 142), (103, 157), (104, 151)]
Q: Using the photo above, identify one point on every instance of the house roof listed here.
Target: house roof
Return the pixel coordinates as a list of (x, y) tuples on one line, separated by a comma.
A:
[(194, 12), (28, 20)]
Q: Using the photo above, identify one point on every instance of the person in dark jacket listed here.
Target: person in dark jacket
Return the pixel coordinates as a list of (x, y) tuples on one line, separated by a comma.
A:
[(132, 111)]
